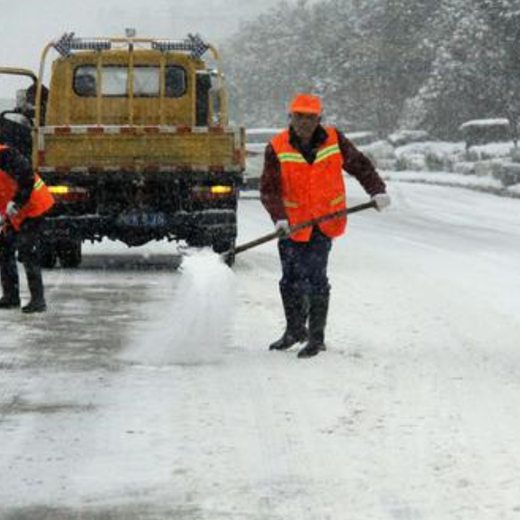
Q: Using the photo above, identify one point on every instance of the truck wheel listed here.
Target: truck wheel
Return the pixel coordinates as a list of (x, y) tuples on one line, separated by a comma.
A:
[(197, 241), (48, 256), (70, 254), (223, 246)]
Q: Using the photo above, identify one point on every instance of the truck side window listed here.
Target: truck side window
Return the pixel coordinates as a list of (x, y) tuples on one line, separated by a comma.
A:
[(114, 81), (175, 81), (146, 81), (85, 81)]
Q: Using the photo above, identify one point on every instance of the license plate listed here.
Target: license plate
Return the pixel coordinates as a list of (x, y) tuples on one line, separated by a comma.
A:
[(142, 219)]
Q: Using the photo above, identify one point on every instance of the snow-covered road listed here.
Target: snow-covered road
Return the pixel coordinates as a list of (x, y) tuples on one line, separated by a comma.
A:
[(412, 413)]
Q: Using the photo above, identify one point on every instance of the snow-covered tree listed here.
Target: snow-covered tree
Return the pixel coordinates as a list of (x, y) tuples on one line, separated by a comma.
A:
[(380, 64)]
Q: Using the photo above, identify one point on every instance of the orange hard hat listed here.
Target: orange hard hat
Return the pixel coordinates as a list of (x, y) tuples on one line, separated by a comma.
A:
[(306, 104)]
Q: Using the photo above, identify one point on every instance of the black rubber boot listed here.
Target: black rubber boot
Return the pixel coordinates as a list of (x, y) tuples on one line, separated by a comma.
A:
[(319, 308), (311, 349), (10, 285), (296, 309), (9, 303), (288, 340), (35, 283)]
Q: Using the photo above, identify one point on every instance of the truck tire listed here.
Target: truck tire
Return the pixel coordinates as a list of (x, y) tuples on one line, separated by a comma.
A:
[(223, 246), (69, 253), (48, 255), (198, 240)]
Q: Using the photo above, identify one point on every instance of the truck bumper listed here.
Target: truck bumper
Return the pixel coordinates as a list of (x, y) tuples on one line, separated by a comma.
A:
[(137, 228)]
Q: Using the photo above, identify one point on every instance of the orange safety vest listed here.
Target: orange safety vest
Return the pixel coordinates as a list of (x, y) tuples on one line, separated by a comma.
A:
[(40, 202), (312, 190)]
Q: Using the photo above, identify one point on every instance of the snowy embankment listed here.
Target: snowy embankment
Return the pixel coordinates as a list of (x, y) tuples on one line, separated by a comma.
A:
[(485, 184), (493, 167), (411, 413)]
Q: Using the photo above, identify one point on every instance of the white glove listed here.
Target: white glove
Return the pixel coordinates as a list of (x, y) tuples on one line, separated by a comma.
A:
[(11, 209), (282, 227), (381, 200)]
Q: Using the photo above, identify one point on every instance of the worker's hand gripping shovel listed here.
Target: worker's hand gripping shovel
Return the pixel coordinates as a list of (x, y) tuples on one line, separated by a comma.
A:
[(229, 255)]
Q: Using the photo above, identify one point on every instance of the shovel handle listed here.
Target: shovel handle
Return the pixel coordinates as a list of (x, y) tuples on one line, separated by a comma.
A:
[(309, 223)]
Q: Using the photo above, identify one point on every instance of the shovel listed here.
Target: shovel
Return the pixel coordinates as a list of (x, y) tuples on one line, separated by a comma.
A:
[(229, 256)]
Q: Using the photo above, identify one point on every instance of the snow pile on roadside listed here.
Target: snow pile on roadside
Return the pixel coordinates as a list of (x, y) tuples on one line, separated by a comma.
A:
[(515, 189), (488, 151), (191, 329), (429, 155), (446, 178)]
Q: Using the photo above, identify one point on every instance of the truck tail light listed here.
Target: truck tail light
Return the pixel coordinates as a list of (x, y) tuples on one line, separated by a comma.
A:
[(212, 192), (69, 193)]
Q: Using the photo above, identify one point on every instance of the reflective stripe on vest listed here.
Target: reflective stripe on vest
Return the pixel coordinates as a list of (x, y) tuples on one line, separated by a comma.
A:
[(341, 198), (289, 157), (38, 184), (327, 152)]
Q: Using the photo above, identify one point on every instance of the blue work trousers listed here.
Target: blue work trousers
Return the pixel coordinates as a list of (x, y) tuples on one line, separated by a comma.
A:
[(304, 265)]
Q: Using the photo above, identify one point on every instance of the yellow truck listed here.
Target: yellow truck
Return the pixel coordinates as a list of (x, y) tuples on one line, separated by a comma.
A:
[(132, 137)]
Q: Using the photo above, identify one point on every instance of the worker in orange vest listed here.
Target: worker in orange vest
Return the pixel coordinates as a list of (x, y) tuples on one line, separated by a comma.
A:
[(24, 200), (303, 180)]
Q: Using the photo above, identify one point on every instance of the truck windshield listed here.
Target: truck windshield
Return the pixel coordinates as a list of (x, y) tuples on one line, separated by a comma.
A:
[(114, 81)]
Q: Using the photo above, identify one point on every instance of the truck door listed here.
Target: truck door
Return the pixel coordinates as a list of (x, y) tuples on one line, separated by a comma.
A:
[(17, 107)]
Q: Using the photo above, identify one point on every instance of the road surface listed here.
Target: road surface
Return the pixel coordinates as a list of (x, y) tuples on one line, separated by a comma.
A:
[(130, 400)]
